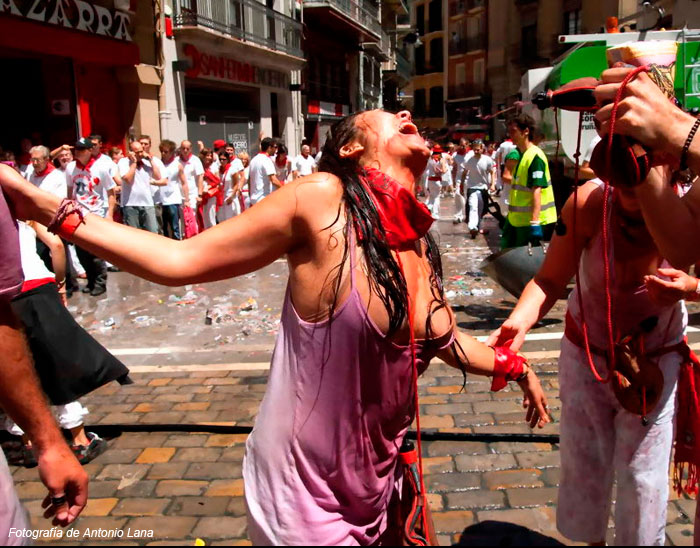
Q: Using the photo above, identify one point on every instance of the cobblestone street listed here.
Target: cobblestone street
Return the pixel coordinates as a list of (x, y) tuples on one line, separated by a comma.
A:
[(199, 358)]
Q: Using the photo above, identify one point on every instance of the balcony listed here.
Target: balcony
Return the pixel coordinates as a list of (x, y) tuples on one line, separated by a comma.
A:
[(467, 45), (356, 12), (458, 7), (373, 92), (466, 91), (245, 20), (323, 91), (379, 48)]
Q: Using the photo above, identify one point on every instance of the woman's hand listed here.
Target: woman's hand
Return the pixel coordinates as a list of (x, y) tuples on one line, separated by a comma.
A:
[(511, 334), (534, 400), (676, 287)]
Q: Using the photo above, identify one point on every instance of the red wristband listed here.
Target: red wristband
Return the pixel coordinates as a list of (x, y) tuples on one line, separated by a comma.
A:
[(507, 366), (69, 225)]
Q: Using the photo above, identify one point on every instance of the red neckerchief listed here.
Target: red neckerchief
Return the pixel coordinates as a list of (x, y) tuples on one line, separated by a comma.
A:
[(87, 166), (402, 216), (48, 169)]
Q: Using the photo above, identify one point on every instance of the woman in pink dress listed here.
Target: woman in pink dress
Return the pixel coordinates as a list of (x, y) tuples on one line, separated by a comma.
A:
[(321, 463)]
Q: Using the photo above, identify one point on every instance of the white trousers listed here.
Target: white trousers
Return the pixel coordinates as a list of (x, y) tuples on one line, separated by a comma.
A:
[(476, 205), (227, 211), (12, 515), (74, 261), (600, 441), (460, 205), (209, 213), (433, 204), (68, 416)]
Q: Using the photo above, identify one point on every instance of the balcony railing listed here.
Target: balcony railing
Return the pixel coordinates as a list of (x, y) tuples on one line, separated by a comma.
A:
[(359, 11), (324, 91), (372, 91), (245, 20), (462, 91), (465, 45), (457, 7)]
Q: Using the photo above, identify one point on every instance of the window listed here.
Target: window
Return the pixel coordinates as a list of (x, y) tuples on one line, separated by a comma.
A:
[(479, 72), (528, 43), (436, 102), (436, 64), (419, 102), (460, 74), (572, 22), (435, 16), (420, 19)]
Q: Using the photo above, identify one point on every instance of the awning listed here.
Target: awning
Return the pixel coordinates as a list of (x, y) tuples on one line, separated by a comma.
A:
[(22, 35)]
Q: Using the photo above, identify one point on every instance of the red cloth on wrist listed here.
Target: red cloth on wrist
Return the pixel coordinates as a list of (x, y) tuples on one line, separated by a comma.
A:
[(507, 366), (69, 225)]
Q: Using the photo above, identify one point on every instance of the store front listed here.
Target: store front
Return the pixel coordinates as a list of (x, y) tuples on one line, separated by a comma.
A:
[(71, 69), (234, 97)]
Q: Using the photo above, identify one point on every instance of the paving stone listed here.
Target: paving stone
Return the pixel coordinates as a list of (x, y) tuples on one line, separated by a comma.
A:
[(118, 456), (220, 527), (138, 441), (436, 502), (438, 465), (426, 400), (199, 506), (97, 523), (186, 440), (142, 488), (225, 440), (452, 521), (170, 417), (517, 447), (179, 487), (471, 500), (680, 534), (141, 507), (518, 498), (120, 418), (160, 382), (173, 398), (452, 482), (484, 463), (538, 460), (30, 490), (551, 476), (449, 448), (504, 479), (168, 527), (454, 389), (152, 407), (687, 507), (99, 507), (214, 470), (232, 454), (102, 489), (121, 471), (198, 454), (192, 406), (473, 419), (448, 409), (237, 506), (225, 488), (167, 470), (155, 455)]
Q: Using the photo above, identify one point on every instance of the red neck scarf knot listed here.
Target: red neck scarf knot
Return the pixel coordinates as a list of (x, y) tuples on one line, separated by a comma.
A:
[(402, 216)]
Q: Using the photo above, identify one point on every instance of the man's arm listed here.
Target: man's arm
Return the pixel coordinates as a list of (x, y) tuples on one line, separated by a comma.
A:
[(129, 173), (275, 181), (56, 248), (536, 204), (111, 203), (183, 182)]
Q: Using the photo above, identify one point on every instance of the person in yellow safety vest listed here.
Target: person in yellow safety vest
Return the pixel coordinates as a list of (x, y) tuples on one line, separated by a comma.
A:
[(532, 213)]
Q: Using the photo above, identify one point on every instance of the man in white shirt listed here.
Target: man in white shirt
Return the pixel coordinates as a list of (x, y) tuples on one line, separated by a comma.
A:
[(45, 175), (262, 178), (304, 164), (101, 158), (435, 169), (137, 174), (481, 177), (505, 148), (233, 183), (194, 172), (148, 158), (461, 157), (91, 184), (173, 188)]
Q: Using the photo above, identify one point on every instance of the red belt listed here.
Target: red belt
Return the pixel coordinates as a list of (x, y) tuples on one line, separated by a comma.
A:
[(33, 284), (434, 178)]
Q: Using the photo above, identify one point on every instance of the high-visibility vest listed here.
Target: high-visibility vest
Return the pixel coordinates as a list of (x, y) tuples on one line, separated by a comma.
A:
[(521, 201)]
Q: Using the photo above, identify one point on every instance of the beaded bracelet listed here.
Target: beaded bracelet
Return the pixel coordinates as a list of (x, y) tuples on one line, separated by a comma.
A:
[(691, 135)]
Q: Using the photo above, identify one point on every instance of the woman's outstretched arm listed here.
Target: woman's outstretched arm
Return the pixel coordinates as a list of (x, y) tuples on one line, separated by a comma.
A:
[(246, 243)]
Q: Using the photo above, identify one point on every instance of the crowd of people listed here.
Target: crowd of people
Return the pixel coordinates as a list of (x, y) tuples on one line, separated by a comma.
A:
[(365, 312)]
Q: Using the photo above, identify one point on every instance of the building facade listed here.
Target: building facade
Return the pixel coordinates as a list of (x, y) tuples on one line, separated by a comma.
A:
[(232, 72), (345, 46), (76, 68)]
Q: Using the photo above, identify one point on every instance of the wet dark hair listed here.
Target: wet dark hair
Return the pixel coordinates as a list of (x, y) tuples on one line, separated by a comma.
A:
[(385, 277)]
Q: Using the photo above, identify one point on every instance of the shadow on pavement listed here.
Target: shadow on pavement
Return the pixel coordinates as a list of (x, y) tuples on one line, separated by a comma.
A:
[(500, 533), (491, 317)]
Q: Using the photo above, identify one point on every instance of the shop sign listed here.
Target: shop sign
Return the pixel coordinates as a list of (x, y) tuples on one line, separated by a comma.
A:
[(73, 14), (220, 67)]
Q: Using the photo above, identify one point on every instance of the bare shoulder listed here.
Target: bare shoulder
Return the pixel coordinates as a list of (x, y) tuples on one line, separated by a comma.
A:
[(316, 192), (588, 204)]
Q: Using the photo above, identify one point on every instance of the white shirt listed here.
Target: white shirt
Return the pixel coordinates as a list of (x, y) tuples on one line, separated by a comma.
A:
[(304, 166), (193, 168), (156, 191), (89, 186), (25, 170), (261, 167), (480, 170), (52, 181), (282, 171), (138, 192), (449, 162), (32, 265), (460, 161), (504, 149), (171, 194), (432, 170)]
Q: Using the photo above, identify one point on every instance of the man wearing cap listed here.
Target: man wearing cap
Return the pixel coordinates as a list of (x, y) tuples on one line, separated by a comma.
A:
[(91, 184), (481, 176), (218, 146), (137, 174), (22, 399)]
